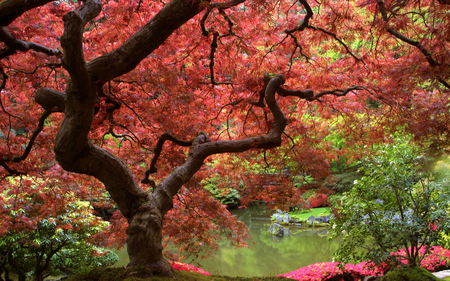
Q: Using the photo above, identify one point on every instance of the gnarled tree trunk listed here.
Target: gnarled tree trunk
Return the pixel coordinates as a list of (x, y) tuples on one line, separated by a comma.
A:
[(75, 153)]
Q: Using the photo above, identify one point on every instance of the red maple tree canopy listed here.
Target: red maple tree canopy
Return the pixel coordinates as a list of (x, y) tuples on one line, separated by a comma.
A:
[(134, 102)]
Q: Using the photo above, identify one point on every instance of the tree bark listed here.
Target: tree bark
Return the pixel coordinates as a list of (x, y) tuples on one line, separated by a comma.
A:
[(144, 243)]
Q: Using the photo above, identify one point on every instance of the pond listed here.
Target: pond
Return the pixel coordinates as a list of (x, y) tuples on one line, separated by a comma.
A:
[(267, 256)]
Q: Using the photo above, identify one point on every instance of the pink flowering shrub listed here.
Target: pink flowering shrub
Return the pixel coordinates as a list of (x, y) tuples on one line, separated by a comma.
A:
[(328, 271), (187, 267), (438, 259), (318, 200)]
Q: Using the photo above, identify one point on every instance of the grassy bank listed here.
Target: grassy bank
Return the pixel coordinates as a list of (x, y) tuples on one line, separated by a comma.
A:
[(305, 214)]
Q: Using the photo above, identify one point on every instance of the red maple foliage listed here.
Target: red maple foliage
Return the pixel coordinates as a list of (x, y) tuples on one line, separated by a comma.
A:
[(86, 83)]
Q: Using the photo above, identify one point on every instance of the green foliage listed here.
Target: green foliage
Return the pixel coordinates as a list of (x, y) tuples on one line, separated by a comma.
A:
[(224, 194), (346, 181), (412, 273), (80, 257), (396, 205)]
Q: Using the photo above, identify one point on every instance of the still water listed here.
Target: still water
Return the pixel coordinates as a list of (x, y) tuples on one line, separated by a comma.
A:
[(267, 256)]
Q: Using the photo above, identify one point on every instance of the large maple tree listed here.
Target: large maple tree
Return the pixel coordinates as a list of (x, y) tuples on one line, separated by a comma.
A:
[(100, 86)]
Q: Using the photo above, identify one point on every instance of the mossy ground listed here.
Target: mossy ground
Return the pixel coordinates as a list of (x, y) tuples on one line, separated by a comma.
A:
[(118, 274), (415, 273)]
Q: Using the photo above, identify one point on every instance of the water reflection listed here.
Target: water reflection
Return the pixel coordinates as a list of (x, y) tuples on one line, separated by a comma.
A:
[(268, 256)]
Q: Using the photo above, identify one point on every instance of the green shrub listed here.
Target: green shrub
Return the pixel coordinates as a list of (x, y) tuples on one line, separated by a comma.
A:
[(396, 205)]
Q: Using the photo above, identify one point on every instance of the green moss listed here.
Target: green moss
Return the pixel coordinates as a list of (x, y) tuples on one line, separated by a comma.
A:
[(413, 273), (118, 274)]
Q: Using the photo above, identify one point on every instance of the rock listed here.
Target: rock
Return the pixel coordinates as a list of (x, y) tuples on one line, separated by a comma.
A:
[(276, 230), (278, 217), (294, 221), (324, 219), (442, 274), (372, 278), (322, 232), (286, 218), (311, 219)]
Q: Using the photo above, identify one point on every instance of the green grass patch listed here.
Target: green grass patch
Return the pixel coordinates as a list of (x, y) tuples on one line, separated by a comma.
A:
[(305, 214), (118, 274)]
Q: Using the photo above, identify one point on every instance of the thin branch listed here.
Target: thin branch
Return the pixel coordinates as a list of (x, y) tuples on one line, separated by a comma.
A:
[(337, 39), (290, 33), (228, 20), (164, 137), (33, 137), (428, 56), (2, 86), (305, 22), (52, 66), (226, 5), (202, 22), (309, 94), (14, 45), (214, 46), (233, 103)]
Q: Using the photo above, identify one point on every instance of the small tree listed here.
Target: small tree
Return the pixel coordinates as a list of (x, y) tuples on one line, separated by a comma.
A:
[(397, 207), (46, 234)]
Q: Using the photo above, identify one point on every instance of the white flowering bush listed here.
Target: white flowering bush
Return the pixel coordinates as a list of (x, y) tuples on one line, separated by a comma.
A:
[(397, 205)]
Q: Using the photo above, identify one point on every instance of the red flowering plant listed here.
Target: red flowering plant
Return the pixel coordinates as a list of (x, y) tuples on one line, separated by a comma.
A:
[(187, 267), (438, 258), (49, 232), (397, 205), (318, 200)]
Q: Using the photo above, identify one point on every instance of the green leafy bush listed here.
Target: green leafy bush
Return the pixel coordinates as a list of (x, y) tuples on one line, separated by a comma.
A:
[(397, 204), (49, 233)]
